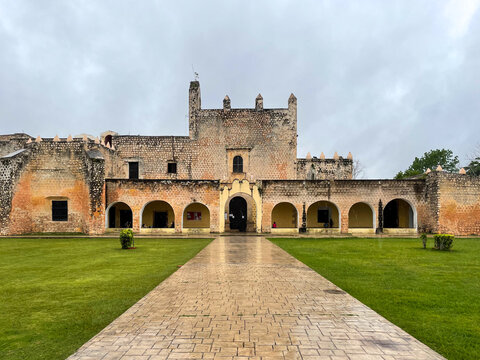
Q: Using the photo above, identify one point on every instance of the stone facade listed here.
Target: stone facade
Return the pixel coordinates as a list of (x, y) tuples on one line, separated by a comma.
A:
[(237, 170)]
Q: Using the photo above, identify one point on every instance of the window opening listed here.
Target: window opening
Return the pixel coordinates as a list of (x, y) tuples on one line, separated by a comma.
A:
[(59, 210), (172, 168), (237, 164), (133, 170)]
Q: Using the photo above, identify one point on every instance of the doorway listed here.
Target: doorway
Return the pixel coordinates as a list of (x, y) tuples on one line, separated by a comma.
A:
[(398, 214), (160, 219), (125, 218), (238, 214)]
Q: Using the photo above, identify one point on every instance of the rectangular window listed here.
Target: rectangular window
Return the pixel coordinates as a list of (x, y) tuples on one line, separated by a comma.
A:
[(133, 170), (59, 210), (172, 168), (323, 216)]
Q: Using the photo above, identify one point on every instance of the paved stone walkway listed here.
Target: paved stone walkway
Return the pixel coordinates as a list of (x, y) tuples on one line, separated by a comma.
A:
[(245, 298)]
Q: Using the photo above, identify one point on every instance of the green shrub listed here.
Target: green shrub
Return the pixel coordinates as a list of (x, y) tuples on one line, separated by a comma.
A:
[(443, 241), (423, 237), (126, 238)]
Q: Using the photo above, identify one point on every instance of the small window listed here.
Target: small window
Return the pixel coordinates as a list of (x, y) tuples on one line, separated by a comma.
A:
[(172, 168), (322, 216), (237, 164), (59, 210), (133, 170)]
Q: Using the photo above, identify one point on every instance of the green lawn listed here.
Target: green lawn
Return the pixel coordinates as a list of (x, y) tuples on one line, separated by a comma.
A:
[(433, 295), (56, 294)]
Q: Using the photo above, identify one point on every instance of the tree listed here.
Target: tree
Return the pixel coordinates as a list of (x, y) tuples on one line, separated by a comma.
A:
[(431, 160), (473, 168), (358, 169)]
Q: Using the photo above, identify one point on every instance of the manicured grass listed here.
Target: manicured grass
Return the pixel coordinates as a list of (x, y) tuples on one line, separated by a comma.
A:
[(56, 294), (433, 295)]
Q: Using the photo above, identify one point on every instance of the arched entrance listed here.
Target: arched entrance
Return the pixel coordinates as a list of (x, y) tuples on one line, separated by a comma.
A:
[(360, 216), (399, 214), (119, 215), (323, 216), (196, 216), (284, 215), (237, 214), (157, 215)]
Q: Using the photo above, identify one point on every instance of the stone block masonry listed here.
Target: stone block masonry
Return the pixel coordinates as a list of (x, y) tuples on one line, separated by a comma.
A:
[(457, 203), (12, 142), (177, 193), (249, 155), (343, 194), (54, 171)]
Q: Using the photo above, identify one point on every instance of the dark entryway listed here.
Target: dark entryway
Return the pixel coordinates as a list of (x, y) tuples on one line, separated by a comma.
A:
[(160, 219), (390, 215), (238, 214), (398, 214), (120, 216), (111, 217), (126, 218)]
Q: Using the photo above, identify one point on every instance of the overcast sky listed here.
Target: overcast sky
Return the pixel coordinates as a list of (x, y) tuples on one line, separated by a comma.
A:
[(386, 80)]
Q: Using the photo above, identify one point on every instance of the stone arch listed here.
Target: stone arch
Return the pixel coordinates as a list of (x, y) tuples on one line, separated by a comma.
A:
[(399, 214), (118, 215), (320, 213), (251, 214), (361, 216), (199, 217), (285, 215), (251, 194), (157, 214), (108, 140)]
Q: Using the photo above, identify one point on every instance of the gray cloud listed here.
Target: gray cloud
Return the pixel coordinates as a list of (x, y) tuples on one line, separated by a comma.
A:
[(384, 80)]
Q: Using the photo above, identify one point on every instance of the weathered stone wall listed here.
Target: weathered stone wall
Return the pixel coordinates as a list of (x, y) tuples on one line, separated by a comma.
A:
[(178, 193), (265, 138), (458, 203), (113, 164), (324, 169), (153, 154), (10, 169), (344, 194), (430, 223), (58, 171), (12, 142), (269, 136)]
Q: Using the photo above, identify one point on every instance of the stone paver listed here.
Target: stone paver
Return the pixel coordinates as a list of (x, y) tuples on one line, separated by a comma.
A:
[(245, 298)]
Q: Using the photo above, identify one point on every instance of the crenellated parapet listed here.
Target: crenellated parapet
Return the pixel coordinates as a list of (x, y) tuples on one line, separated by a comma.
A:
[(336, 168)]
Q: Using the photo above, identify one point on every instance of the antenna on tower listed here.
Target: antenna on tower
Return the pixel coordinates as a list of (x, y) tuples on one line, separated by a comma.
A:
[(195, 74)]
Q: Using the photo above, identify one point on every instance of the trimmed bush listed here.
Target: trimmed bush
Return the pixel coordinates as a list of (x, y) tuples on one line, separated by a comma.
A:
[(423, 237), (443, 241), (126, 238)]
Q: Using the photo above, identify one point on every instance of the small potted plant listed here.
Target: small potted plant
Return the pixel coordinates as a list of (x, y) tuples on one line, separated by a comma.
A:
[(423, 237)]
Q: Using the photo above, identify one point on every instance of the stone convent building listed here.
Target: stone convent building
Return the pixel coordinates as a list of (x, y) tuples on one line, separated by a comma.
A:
[(237, 170)]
